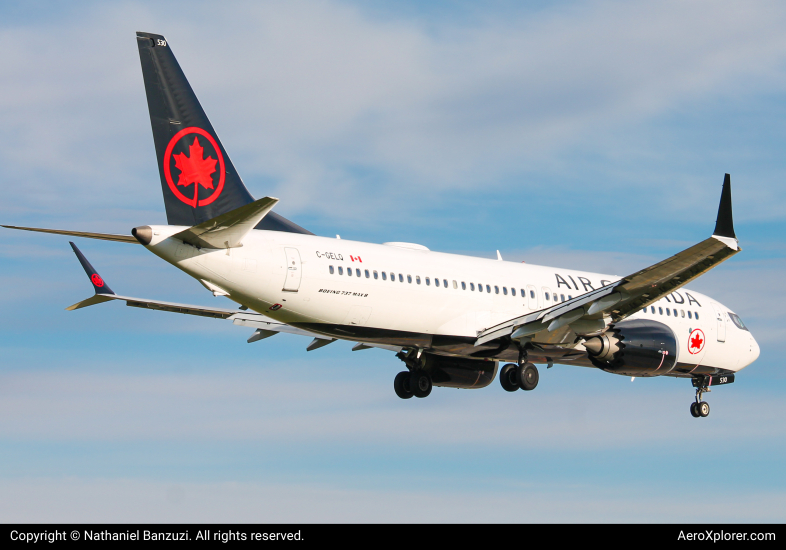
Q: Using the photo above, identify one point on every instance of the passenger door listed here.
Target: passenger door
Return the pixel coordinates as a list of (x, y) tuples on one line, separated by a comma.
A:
[(293, 271), (720, 318)]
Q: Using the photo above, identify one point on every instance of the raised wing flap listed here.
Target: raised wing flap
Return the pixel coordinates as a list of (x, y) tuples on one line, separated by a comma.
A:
[(537, 320), (228, 229)]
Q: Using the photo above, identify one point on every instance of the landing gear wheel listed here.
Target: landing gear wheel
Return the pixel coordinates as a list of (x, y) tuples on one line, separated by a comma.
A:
[(401, 385), (508, 377), (528, 377), (704, 409), (694, 410), (420, 383)]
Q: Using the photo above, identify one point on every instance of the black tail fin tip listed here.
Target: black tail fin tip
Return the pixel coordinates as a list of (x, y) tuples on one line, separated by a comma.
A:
[(724, 225), (198, 179), (98, 283)]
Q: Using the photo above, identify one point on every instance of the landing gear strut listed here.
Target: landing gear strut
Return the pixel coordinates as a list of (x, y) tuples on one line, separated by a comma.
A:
[(700, 408), (523, 375), (416, 381)]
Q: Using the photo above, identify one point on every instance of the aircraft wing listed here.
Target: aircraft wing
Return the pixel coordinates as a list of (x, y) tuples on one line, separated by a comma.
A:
[(265, 326), (595, 310)]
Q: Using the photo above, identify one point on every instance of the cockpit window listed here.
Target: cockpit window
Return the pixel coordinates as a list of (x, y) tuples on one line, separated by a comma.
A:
[(737, 321)]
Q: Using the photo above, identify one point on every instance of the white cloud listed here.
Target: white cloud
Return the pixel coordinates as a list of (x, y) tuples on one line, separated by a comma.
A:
[(77, 500), (289, 403), (317, 95)]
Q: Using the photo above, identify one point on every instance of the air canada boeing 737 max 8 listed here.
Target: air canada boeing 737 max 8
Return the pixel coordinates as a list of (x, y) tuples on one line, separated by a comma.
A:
[(450, 319)]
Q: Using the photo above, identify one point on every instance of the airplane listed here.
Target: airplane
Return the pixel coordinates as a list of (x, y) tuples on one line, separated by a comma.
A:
[(451, 319)]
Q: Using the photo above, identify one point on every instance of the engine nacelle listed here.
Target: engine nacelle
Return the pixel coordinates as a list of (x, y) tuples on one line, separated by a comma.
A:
[(634, 348), (453, 372)]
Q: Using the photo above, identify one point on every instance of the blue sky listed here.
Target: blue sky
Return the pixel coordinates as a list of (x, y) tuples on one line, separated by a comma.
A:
[(592, 135)]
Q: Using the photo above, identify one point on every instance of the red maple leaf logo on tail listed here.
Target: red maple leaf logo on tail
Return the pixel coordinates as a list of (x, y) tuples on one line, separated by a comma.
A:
[(195, 169)]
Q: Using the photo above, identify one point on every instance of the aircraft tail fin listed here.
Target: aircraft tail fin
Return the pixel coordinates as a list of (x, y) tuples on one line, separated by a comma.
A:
[(198, 179)]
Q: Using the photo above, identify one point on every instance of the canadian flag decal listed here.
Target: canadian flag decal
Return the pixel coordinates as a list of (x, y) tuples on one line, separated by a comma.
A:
[(356, 259)]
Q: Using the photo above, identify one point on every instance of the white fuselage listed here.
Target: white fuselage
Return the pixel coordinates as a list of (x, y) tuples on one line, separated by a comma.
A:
[(305, 280)]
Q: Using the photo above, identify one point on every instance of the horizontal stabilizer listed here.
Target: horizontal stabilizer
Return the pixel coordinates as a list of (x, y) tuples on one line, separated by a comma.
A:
[(86, 234), (228, 230)]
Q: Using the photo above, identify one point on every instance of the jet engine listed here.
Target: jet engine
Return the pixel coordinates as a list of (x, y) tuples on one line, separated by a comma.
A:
[(634, 348), (453, 372)]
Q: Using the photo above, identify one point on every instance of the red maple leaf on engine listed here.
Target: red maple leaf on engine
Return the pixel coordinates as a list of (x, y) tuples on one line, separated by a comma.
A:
[(195, 169), (696, 341)]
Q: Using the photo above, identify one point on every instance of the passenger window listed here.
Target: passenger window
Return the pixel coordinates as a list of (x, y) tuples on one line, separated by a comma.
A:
[(367, 274), (436, 282), (472, 286), (357, 272), (505, 290), (349, 272), (555, 296), (480, 287), (376, 275), (696, 315), (384, 276), (562, 296), (668, 312), (644, 310), (463, 285), (428, 281), (409, 279), (496, 289), (401, 278), (660, 311), (547, 296), (690, 316), (512, 291), (682, 312), (532, 294), (331, 270), (570, 297), (488, 289), (417, 279), (653, 309)]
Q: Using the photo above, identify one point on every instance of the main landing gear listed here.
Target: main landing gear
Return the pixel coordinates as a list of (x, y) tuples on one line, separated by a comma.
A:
[(524, 375), (416, 381), (700, 408)]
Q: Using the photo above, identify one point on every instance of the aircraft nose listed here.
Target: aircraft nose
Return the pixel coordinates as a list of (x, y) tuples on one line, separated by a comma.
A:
[(755, 350)]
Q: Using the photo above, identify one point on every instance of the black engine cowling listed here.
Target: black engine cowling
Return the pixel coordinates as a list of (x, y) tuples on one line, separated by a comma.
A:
[(634, 348), (453, 372)]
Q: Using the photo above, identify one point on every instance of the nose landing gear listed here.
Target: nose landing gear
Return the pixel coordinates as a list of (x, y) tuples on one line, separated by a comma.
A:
[(700, 408)]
